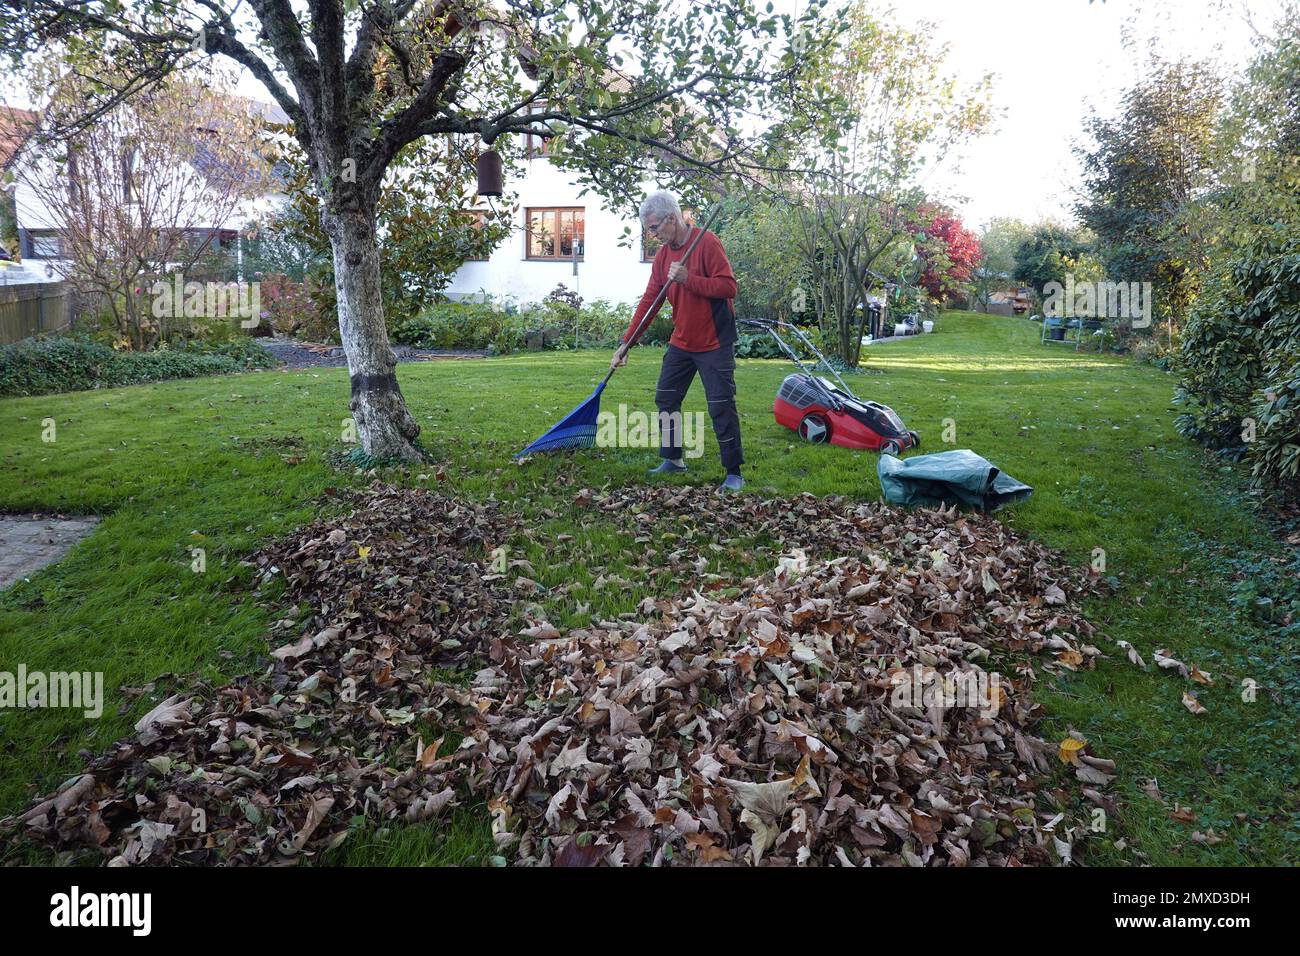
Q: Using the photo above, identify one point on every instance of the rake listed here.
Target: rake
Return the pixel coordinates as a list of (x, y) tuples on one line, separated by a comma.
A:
[(578, 428)]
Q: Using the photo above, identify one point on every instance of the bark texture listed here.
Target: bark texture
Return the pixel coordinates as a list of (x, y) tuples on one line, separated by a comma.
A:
[(385, 427)]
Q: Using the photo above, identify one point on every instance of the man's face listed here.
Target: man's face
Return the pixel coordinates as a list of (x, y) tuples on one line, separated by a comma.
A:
[(665, 229)]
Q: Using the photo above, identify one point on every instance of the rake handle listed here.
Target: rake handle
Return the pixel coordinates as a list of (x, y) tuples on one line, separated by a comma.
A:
[(659, 299)]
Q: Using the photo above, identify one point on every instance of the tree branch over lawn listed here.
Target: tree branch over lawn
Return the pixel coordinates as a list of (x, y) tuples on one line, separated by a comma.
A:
[(663, 90), (855, 197)]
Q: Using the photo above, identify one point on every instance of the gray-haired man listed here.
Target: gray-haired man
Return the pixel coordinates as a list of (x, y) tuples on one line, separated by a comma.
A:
[(704, 334)]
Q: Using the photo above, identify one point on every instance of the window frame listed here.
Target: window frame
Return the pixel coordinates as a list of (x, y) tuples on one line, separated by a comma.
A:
[(44, 235), (535, 146), (558, 257)]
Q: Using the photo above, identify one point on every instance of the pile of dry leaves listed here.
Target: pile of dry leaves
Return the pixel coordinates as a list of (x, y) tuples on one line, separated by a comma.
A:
[(831, 712)]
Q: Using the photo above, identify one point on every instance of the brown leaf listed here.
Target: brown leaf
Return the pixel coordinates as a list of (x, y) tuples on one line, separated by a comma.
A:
[(571, 854)]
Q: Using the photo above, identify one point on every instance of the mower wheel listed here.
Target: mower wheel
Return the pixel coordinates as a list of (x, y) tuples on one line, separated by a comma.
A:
[(916, 439), (890, 447), (814, 428)]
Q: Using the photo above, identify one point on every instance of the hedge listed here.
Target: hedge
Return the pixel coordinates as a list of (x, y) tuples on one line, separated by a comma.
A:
[(41, 366)]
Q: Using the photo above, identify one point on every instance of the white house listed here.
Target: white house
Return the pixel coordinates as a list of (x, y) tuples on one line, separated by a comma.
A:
[(552, 224)]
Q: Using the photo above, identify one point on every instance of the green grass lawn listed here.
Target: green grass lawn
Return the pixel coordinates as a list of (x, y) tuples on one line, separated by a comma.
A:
[(210, 463)]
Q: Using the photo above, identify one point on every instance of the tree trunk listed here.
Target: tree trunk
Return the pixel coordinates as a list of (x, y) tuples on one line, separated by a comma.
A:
[(384, 426)]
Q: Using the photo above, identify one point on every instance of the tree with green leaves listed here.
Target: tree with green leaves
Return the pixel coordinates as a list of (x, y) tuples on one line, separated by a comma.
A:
[(1046, 253), (636, 90), (1239, 354), (855, 195), (999, 240), (1141, 174), (771, 283)]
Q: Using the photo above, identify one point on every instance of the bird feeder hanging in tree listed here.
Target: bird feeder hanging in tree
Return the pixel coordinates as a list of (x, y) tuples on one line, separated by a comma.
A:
[(488, 168)]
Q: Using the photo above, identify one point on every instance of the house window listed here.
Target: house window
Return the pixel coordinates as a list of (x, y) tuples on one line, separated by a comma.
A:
[(46, 247), (555, 233), (475, 218), (535, 146), (650, 242), (202, 240)]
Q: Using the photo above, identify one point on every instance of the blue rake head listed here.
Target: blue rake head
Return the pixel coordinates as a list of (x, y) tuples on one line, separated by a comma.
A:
[(575, 430)]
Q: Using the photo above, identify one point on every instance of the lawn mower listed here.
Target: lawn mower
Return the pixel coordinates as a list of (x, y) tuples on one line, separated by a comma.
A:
[(822, 411)]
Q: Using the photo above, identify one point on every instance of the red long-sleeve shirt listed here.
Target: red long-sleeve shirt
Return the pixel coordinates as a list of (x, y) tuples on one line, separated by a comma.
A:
[(703, 313)]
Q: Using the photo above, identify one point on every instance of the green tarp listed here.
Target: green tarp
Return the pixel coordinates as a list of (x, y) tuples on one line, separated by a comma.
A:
[(948, 477)]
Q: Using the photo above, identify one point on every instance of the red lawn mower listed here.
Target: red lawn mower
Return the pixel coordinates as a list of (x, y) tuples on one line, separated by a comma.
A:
[(821, 411)]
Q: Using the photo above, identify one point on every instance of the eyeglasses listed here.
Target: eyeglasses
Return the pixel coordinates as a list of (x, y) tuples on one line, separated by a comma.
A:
[(655, 226)]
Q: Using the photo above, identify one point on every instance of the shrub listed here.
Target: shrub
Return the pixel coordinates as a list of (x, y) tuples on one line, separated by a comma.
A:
[(757, 345), (304, 309), (1151, 350), (552, 324), (661, 328), (1240, 359), (453, 325), (70, 364), (604, 323)]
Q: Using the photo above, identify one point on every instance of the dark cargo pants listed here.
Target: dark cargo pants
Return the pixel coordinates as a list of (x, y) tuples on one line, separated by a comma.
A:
[(718, 373)]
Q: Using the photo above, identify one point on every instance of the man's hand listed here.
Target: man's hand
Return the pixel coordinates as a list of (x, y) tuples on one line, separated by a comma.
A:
[(677, 272), (620, 357)]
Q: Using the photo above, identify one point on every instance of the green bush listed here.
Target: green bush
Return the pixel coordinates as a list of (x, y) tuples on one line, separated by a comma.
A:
[(1150, 350), (604, 323), (552, 324), (453, 325), (1240, 360), (661, 327), (71, 364), (757, 345)]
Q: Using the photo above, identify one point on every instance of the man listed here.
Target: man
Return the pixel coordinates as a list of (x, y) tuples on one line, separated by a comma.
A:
[(703, 339)]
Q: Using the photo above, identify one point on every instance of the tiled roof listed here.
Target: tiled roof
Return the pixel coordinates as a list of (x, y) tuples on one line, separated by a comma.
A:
[(15, 126)]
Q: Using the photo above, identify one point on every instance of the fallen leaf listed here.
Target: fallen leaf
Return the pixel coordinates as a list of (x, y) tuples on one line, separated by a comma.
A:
[(1069, 750)]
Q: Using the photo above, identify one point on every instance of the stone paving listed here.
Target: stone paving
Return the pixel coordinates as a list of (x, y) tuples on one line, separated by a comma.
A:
[(29, 544)]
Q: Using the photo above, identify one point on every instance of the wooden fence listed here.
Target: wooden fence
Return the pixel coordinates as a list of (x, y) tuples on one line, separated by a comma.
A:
[(33, 307)]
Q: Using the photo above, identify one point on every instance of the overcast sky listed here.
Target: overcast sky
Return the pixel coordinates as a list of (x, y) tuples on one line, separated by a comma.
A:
[(1052, 60), (1055, 59)]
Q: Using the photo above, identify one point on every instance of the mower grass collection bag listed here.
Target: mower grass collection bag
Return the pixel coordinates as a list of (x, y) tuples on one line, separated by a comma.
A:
[(948, 477)]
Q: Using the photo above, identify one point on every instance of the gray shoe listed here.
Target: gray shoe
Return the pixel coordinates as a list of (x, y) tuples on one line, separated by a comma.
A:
[(733, 483), (667, 467)]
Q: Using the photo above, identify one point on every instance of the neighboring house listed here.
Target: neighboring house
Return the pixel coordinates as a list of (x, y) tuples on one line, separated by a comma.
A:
[(1015, 301), (15, 127), (38, 231)]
